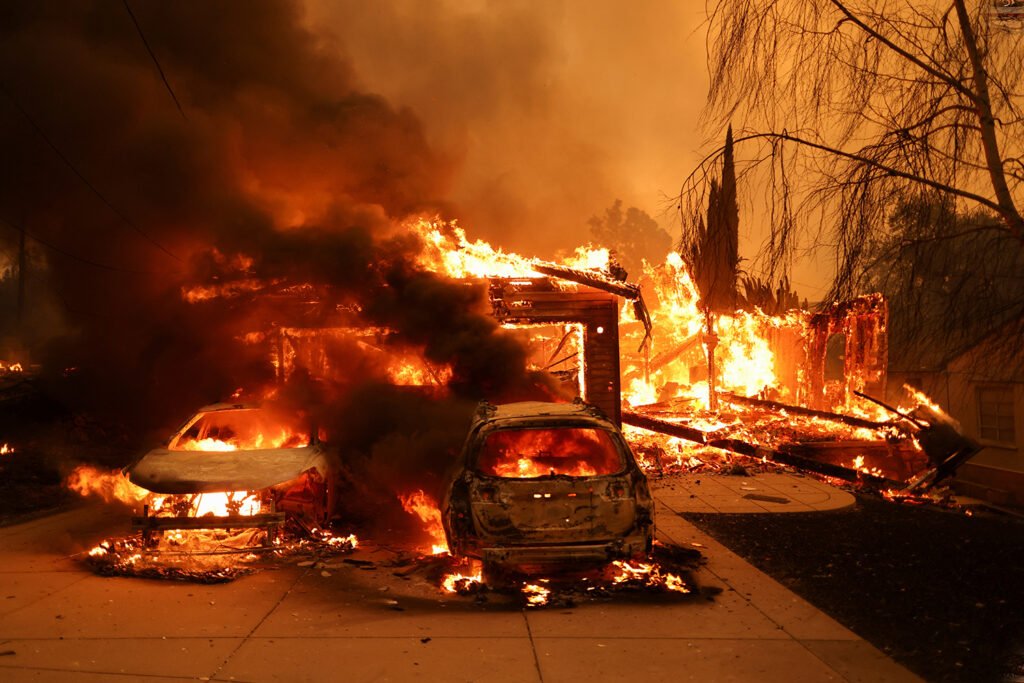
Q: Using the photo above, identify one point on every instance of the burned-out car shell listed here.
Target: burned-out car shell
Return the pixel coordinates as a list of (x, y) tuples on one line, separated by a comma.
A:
[(553, 520), (297, 478)]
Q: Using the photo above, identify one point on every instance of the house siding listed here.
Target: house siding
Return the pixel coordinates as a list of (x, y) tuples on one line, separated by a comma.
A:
[(996, 473)]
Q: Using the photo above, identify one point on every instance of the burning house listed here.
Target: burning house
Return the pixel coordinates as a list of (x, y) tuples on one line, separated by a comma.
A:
[(276, 255), (798, 389)]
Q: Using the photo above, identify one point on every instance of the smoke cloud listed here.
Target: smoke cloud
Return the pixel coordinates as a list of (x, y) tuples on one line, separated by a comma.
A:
[(280, 166), (552, 109)]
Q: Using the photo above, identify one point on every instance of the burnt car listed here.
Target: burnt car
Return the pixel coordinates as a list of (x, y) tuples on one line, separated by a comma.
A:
[(546, 486), (237, 452)]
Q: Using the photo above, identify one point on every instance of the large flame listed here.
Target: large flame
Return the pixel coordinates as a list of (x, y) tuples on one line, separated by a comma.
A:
[(109, 485), (425, 507), (663, 369), (523, 453), (114, 486)]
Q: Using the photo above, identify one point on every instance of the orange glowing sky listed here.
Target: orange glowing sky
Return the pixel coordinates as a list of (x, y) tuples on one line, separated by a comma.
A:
[(553, 110)]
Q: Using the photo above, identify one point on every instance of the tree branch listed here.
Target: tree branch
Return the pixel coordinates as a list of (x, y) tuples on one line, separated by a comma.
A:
[(936, 73), (882, 167)]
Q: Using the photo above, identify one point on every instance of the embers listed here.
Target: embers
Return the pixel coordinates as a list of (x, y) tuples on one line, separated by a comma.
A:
[(668, 573), (211, 555)]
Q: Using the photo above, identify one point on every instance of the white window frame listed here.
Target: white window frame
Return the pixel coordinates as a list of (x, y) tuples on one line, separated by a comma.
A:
[(1001, 407)]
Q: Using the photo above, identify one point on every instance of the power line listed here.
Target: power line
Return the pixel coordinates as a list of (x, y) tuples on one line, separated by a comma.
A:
[(81, 177), (82, 259), (155, 61)]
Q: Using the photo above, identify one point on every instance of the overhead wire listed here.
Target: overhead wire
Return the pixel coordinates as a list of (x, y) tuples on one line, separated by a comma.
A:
[(81, 177), (20, 228), (156, 62)]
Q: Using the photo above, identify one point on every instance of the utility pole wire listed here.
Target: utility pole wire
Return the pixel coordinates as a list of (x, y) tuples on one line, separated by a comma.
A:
[(155, 61), (81, 177), (25, 233)]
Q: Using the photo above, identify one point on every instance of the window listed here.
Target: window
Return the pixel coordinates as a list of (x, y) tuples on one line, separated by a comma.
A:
[(995, 414), (568, 451), (240, 429), (835, 358)]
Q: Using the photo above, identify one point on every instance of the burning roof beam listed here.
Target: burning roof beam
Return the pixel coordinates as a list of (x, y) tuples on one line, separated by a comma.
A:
[(626, 290), (591, 279)]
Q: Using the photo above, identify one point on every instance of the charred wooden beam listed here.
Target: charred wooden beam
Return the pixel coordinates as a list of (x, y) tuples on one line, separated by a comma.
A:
[(798, 410), (582, 277), (663, 427), (760, 452), (888, 407)]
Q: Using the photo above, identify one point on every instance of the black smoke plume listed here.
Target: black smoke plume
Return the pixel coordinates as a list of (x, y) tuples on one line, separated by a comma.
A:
[(278, 168)]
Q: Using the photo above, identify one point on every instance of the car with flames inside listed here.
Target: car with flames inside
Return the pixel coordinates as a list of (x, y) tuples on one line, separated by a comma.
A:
[(247, 465), (546, 486)]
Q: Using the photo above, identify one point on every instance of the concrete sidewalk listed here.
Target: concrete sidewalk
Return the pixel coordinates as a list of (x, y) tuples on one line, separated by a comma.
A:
[(59, 622), (768, 492)]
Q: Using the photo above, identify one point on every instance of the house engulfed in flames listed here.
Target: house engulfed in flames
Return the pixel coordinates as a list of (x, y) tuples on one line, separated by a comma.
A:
[(795, 388)]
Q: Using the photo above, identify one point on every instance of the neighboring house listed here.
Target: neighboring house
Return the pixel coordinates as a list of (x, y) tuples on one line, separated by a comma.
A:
[(981, 385)]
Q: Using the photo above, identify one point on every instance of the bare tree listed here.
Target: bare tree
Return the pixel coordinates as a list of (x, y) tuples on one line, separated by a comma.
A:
[(849, 106)]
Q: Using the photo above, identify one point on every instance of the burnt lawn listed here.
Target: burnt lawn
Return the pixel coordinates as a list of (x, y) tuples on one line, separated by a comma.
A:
[(939, 591)]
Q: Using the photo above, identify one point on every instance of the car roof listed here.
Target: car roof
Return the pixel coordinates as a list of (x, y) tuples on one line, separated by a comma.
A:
[(487, 412)]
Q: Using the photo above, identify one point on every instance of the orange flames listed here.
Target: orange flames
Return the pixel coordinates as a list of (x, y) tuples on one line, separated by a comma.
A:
[(5, 449), (746, 363), (224, 504), (536, 595), (756, 354), (425, 507), (282, 439), (648, 574), (109, 485), (455, 583), (206, 445), (523, 453), (10, 367), (239, 429), (114, 486)]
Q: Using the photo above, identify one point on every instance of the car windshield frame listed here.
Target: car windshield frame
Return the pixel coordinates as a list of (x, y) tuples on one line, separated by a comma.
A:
[(174, 443)]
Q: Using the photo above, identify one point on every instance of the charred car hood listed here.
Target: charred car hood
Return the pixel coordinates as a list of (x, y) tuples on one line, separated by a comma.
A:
[(176, 472)]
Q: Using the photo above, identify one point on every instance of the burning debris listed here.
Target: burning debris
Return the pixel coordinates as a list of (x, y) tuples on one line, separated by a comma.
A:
[(667, 572), (203, 537), (211, 557), (781, 395)]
